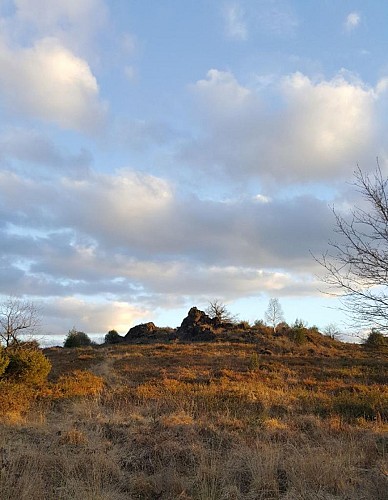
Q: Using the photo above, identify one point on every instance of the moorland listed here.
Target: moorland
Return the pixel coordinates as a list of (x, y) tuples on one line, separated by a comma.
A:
[(263, 415)]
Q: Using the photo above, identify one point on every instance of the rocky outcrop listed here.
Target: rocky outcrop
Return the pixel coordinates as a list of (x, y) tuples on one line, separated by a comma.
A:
[(198, 326), (143, 330)]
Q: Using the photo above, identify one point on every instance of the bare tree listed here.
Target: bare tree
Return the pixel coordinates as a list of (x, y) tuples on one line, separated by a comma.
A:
[(17, 317), (331, 330), (357, 264), (217, 309), (274, 313)]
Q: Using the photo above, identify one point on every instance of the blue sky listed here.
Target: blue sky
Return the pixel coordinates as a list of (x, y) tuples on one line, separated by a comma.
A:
[(160, 154)]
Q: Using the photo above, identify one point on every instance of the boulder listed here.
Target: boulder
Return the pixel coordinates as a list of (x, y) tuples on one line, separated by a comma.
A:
[(141, 330)]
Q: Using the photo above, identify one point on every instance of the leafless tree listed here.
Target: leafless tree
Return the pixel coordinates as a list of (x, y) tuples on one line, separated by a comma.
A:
[(274, 313), (217, 309), (357, 264), (17, 317), (331, 330)]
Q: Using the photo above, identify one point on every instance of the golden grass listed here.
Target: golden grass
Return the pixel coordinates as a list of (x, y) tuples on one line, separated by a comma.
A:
[(201, 421)]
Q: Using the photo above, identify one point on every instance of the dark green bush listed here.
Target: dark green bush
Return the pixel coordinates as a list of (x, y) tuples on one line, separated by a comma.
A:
[(77, 339), (298, 335), (376, 339), (4, 360), (27, 365), (112, 337)]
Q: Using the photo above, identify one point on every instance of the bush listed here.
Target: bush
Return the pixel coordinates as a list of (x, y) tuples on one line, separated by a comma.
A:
[(15, 398), (27, 365), (298, 335), (4, 360), (244, 325), (112, 337), (77, 339), (375, 339)]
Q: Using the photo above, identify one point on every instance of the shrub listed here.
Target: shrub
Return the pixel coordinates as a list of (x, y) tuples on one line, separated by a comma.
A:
[(244, 325), (375, 339), (112, 337), (77, 383), (298, 335), (259, 323), (27, 365), (299, 323), (15, 398), (76, 339), (4, 360)]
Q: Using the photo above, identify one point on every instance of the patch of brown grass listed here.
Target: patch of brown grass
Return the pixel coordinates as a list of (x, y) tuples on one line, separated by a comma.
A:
[(194, 421)]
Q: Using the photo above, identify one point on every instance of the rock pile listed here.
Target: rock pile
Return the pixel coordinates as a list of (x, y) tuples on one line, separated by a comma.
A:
[(139, 331), (198, 326)]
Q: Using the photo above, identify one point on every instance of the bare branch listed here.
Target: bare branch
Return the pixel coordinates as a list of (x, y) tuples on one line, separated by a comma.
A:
[(17, 317), (357, 264), (217, 309)]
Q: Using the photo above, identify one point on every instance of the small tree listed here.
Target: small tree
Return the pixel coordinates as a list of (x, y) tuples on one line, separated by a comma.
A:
[(331, 330), (76, 339), (17, 317), (217, 309), (299, 323), (112, 337), (274, 313)]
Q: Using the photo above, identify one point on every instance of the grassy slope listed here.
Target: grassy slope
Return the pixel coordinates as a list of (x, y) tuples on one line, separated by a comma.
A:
[(205, 421)]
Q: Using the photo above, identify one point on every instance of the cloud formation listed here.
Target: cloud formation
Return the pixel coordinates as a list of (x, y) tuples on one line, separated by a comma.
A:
[(61, 86), (130, 238), (316, 131)]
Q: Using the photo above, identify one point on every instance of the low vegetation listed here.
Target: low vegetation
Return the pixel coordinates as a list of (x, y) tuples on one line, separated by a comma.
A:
[(77, 339), (286, 416)]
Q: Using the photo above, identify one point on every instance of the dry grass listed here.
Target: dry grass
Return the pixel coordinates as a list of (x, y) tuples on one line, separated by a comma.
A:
[(202, 421)]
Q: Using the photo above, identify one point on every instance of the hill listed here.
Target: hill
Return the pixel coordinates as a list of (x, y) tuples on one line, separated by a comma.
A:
[(273, 419)]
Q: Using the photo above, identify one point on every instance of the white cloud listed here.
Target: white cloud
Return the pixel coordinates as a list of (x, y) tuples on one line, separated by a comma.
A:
[(352, 21), (235, 25), (49, 82), (318, 130), (90, 316)]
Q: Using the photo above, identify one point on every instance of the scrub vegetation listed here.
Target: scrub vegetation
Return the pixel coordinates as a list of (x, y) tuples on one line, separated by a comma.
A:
[(283, 416)]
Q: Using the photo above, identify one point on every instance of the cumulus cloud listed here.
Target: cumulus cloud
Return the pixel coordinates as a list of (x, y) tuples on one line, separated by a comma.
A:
[(317, 131), (235, 25), (49, 82), (352, 21)]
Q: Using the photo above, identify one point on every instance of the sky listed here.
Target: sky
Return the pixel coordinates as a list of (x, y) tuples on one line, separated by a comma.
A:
[(156, 155)]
